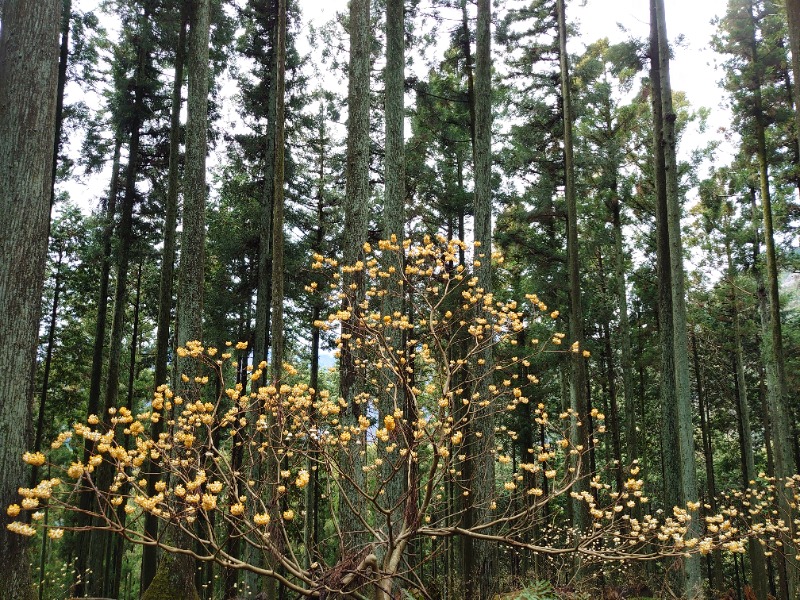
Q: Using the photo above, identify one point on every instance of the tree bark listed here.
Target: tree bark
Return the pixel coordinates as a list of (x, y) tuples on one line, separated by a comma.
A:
[(715, 579), (175, 574), (278, 197), (772, 338), (150, 553), (755, 551), (578, 397), (356, 207), (480, 582), (96, 376), (28, 80), (685, 439), (394, 469)]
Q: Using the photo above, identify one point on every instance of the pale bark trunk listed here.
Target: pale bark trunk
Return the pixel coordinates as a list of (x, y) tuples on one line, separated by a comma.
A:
[(27, 126)]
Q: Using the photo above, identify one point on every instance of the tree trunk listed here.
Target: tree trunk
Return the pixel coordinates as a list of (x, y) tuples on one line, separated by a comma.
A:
[(99, 551), (626, 364), (175, 574), (715, 579), (113, 578), (685, 438), (480, 582), (277, 198), (755, 551), (670, 454), (96, 376), (772, 338), (394, 469), (48, 361), (264, 300), (356, 206), (578, 398), (27, 125), (150, 553)]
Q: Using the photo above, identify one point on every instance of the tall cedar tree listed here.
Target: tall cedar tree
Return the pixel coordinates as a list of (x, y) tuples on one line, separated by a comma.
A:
[(27, 126), (675, 389), (356, 211), (174, 577)]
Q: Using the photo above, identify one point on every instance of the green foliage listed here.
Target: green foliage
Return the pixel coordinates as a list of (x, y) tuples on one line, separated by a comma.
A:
[(538, 590)]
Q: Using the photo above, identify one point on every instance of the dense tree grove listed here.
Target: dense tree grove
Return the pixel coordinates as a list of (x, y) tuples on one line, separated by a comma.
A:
[(429, 300)]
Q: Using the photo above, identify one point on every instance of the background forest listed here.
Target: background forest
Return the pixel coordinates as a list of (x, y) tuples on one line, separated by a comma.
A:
[(432, 299)]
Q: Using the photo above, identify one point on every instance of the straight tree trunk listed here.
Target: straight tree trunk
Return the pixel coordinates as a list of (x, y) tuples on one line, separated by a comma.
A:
[(261, 334), (276, 327), (715, 579), (685, 440), (96, 376), (99, 555), (395, 475), (578, 397), (174, 577), (772, 338), (48, 361), (27, 126), (670, 452), (311, 523), (755, 551), (356, 206), (626, 364), (150, 553), (113, 578), (264, 300), (276, 339), (480, 582)]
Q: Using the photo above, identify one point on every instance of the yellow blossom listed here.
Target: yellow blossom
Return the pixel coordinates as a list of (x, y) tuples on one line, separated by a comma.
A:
[(34, 458)]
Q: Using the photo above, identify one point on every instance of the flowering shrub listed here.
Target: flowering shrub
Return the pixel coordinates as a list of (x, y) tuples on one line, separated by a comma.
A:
[(235, 461)]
